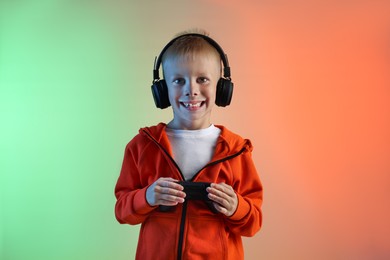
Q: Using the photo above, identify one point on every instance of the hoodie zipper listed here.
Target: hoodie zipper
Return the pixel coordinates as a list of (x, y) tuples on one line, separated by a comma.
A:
[(165, 151), (184, 208), (219, 161)]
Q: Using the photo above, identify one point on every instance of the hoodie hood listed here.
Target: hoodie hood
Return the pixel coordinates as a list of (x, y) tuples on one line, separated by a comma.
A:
[(228, 143)]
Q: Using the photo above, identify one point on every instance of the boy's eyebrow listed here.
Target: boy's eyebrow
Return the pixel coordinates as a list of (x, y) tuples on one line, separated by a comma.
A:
[(177, 75), (202, 74)]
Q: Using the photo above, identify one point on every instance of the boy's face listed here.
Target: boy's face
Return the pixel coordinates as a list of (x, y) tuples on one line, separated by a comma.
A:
[(192, 82)]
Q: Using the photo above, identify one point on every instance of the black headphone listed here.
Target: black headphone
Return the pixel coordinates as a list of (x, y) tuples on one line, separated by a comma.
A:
[(224, 93)]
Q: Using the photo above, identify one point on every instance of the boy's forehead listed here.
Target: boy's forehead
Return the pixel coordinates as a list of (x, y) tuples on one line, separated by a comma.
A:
[(189, 56)]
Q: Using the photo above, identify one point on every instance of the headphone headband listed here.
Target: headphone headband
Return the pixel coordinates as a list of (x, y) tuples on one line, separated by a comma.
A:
[(158, 60)]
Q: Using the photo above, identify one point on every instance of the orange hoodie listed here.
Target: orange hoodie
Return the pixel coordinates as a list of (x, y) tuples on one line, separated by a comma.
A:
[(190, 230)]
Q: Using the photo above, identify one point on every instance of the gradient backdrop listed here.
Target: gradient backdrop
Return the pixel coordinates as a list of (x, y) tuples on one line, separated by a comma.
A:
[(312, 93)]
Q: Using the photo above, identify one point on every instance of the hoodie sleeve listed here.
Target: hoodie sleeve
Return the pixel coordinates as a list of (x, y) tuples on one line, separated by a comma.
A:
[(247, 219), (131, 206)]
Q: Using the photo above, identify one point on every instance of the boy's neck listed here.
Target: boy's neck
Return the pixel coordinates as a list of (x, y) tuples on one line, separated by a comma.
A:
[(172, 125)]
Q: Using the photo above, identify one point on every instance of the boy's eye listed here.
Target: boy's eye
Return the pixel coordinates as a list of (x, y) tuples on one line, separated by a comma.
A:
[(202, 80), (179, 81)]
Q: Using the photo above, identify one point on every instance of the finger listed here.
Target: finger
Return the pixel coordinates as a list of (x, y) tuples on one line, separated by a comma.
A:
[(170, 183), (219, 208), (169, 192), (226, 210), (223, 187), (164, 198), (220, 199), (168, 203), (223, 210), (221, 192)]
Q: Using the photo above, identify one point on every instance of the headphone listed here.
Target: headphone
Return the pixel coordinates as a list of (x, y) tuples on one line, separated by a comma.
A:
[(224, 93)]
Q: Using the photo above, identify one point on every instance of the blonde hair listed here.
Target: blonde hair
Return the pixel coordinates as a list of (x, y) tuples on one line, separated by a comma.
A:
[(189, 46)]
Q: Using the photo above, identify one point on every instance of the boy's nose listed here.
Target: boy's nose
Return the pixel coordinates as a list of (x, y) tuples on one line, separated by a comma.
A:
[(192, 89)]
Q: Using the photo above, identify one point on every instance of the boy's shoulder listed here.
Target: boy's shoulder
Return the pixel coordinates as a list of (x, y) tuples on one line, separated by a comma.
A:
[(233, 139), (147, 134), (154, 130)]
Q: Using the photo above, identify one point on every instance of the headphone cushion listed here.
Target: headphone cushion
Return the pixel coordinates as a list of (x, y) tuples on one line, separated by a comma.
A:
[(224, 92), (160, 94)]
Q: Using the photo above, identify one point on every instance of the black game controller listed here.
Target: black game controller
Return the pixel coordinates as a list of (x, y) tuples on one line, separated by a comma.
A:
[(194, 191)]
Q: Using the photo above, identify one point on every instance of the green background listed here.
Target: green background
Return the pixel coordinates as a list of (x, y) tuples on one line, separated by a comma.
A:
[(72, 95)]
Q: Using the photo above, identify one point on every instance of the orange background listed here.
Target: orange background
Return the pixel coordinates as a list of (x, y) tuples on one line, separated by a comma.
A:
[(316, 104)]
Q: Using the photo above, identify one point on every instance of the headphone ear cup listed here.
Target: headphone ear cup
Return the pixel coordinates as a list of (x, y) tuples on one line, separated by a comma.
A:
[(160, 94), (224, 93)]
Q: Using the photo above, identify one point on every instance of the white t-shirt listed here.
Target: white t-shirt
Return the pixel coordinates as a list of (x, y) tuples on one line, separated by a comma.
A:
[(193, 149)]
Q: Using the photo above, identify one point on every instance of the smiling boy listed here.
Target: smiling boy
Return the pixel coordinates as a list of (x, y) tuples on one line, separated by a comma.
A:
[(163, 162), (191, 82)]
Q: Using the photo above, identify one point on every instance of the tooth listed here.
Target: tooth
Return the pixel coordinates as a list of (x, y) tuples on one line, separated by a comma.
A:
[(192, 104)]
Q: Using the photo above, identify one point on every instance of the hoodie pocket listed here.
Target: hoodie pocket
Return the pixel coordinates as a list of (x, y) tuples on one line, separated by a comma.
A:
[(206, 238)]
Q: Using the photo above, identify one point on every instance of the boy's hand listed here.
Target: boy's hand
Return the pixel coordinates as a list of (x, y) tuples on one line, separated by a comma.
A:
[(224, 197), (165, 191)]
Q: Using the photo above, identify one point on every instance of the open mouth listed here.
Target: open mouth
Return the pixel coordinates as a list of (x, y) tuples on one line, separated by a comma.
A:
[(192, 105)]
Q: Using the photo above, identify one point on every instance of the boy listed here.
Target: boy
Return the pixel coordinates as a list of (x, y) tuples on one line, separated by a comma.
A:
[(191, 184)]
